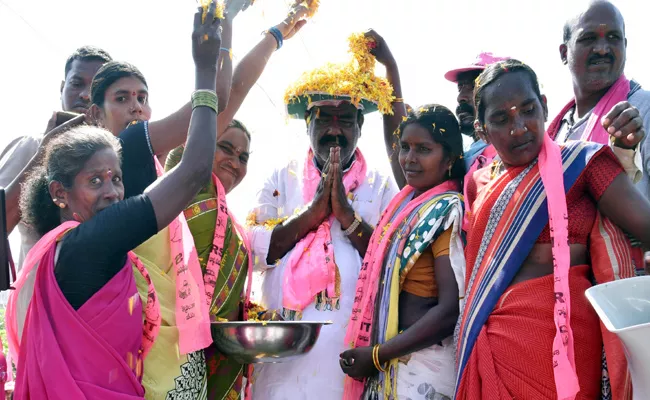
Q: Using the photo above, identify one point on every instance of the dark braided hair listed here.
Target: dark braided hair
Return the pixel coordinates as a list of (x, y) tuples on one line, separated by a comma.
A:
[(494, 72), (444, 129), (65, 157), (107, 75)]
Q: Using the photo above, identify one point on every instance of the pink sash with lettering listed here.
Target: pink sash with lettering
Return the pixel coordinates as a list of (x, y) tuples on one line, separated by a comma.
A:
[(93, 352), (311, 269)]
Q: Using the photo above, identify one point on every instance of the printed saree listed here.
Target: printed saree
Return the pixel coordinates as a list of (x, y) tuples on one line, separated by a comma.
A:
[(497, 357), (405, 231)]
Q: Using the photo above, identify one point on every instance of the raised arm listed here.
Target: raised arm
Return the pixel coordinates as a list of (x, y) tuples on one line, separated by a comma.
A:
[(250, 68), (391, 122), (224, 83), (171, 194)]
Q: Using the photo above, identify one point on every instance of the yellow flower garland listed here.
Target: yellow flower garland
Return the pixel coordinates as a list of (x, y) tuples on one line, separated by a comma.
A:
[(356, 79), (221, 6)]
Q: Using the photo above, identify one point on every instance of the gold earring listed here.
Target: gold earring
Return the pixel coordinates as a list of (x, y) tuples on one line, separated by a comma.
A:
[(61, 205)]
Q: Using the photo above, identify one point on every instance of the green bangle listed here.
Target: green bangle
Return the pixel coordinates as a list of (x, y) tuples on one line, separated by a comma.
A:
[(205, 98)]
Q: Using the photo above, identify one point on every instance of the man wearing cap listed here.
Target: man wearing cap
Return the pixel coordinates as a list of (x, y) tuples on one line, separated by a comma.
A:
[(309, 233), (479, 153)]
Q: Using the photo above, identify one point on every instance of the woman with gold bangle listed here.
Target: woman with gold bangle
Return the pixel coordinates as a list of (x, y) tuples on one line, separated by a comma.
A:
[(218, 240), (78, 280), (407, 297)]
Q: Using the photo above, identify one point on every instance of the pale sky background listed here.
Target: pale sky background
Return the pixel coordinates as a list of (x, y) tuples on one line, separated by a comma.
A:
[(427, 37)]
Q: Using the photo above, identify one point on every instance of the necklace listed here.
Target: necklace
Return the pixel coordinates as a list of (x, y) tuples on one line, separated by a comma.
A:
[(496, 169)]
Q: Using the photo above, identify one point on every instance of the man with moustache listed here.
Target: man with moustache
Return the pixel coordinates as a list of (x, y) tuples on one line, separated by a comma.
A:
[(479, 154), (607, 107), (80, 68), (309, 233)]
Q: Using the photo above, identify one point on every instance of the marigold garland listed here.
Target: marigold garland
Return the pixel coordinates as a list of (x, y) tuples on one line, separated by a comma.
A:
[(221, 6), (355, 79)]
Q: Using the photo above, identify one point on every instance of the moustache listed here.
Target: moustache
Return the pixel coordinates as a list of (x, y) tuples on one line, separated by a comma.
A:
[(597, 57), (340, 140), (464, 107)]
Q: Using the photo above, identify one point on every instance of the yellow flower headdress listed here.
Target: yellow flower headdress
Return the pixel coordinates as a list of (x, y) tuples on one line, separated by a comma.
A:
[(354, 81)]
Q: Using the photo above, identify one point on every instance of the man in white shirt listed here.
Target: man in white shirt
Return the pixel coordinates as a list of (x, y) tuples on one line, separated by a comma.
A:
[(313, 222), (80, 68)]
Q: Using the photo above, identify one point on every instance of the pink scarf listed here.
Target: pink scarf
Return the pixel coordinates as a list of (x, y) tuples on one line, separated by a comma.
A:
[(550, 167), (368, 282), (194, 330), (311, 269), (594, 131), (193, 290), (488, 154), (564, 369), (83, 353)]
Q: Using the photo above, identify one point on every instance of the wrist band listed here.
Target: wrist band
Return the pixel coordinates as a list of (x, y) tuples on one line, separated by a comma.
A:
[(354, 226), (277, 35), (205, 98), (229, 51)]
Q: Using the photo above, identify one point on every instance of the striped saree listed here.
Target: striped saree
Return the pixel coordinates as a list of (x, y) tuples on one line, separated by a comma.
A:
[(505, 333)]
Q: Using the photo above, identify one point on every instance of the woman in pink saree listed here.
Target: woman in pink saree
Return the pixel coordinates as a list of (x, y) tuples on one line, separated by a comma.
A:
[(82, 336)]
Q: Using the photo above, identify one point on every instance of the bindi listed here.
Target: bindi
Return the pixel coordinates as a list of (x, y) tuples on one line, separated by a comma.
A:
[(110, 173), (602, 28), (133, 94)]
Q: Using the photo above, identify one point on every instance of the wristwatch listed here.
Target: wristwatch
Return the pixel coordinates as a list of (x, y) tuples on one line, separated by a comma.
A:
[(355, 224)]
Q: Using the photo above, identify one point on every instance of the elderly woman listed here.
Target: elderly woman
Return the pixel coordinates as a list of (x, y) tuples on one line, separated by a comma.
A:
[(534, 245), (85, 309)]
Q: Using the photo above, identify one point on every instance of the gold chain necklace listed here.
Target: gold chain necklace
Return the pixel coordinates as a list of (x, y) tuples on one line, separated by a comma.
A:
[(496, 169)]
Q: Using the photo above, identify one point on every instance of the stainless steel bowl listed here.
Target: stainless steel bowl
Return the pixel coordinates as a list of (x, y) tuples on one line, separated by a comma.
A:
[(255, 342)]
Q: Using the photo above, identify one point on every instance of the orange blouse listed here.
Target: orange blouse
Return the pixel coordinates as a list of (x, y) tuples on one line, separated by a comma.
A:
[(421, 279)]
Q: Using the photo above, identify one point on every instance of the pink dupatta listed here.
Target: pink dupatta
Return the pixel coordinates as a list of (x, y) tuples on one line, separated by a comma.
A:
[(594, 131), (195, 289), (67, 353), (194, 328), (311, 271)]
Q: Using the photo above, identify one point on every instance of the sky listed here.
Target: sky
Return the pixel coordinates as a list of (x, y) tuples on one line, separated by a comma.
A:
[(427, 38)]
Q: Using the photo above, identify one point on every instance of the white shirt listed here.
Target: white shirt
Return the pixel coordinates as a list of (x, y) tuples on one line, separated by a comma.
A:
[(316, 375), (13, 159)]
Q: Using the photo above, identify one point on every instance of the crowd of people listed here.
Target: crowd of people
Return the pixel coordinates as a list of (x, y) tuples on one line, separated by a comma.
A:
[(460, 275)]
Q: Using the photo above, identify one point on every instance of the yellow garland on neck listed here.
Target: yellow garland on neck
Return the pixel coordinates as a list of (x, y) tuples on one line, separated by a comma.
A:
[(355, 79)]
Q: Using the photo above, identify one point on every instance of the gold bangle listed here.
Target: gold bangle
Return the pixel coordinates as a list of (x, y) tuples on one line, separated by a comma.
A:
[(398, 100), (375, 358), (205, 98)]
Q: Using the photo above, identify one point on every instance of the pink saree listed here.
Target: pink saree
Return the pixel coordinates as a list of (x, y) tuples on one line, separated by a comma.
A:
[(95, 352)]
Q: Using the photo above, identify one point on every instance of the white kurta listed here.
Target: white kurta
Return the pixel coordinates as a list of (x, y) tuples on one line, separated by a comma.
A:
[(318, 374)]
